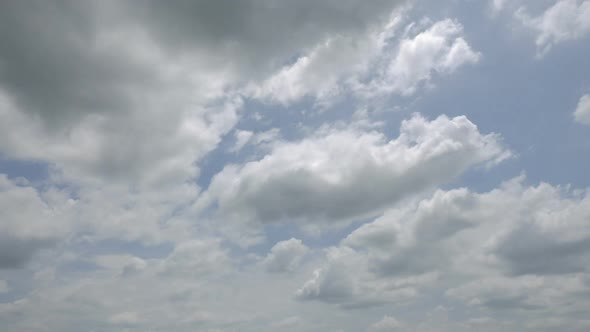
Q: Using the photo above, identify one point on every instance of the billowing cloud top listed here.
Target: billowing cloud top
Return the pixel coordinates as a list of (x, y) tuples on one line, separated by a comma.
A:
[(267, 165)]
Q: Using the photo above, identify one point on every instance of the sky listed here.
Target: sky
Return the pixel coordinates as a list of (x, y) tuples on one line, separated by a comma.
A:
[(310, 165)]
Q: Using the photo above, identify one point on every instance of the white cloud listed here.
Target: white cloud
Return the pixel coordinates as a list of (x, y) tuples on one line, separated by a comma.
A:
[(565, 20), (285, 256), (197, 259), (516, 247), (582, 112), (371, 65), (338, 175), (322, 73), (245, 137), (498, 5), (345, 280), (242, 138), (123, 101), (440, 49)]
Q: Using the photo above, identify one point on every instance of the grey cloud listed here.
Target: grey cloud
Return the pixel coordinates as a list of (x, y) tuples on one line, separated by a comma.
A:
[(411, 240), (515, 248), (131, 91), (29, 221), (264, 33), (16, 252), (530, 250), (511, 225), (345, 280), (52, 62), (63, 59)]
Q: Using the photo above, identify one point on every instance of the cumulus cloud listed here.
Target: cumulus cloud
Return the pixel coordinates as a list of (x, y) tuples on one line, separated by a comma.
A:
[(99, 86), (124, 105), (377, 64), (582, 112), (324, 71), (515, 247), (565, 20), (338, 175), (440, 49), (285, 256), (346, 281), (526, 240)]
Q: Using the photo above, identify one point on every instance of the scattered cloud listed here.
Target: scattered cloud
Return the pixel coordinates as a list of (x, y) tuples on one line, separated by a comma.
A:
[(339, 175), (285, 256), (565, 20), (582, 112)]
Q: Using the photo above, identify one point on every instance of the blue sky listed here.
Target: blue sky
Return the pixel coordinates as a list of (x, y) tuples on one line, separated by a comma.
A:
[(391, 165)]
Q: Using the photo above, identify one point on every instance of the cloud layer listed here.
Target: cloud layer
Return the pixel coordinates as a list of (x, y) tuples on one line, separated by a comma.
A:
[(313, 165)]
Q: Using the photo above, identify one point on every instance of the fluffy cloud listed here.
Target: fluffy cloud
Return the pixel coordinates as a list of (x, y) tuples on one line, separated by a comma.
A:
[(110, 100), (324, 71), (285, 256), (346, 280), (377, 64), (582, 112), (146, 147), (516, 247), (338, 175), (565, 20), (440, 49), (130, 106)]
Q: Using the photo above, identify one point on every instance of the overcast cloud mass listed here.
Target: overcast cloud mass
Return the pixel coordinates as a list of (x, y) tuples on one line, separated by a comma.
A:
[(305, 165)]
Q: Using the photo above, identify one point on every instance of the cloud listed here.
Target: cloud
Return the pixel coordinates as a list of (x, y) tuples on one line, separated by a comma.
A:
[(124, 105), (197, 259), (3, 286), (387, 323), (565, 20), (338, 175), (373, 65), (323, 72), (514, 247), (125, 319), (411, 240), (440, 49), (139, 93), (245, 137), (526, 239), (582, 112), (237, 36), (498, 5), (285, 256), (31, 221), (145, 148), (345, 280)]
